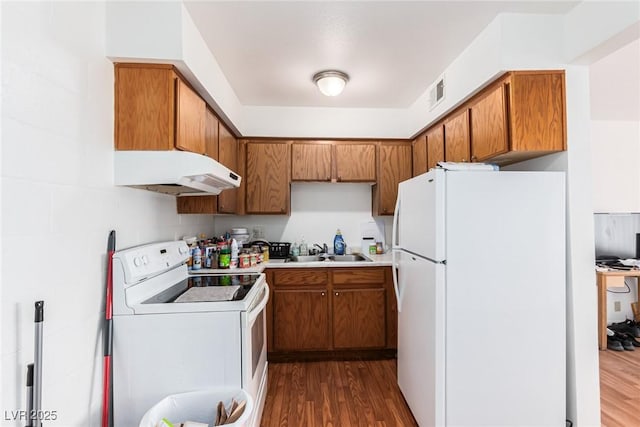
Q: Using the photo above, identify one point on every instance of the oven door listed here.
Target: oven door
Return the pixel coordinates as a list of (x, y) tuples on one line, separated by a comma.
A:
[(254, 351)]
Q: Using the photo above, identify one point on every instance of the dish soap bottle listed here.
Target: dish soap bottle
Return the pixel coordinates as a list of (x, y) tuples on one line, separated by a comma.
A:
[(338, 243), (295, 251), (304, 249)]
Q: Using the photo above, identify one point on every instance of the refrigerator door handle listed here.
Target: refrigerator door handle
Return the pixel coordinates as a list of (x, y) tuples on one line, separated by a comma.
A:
[(394, 227), (394, 273)]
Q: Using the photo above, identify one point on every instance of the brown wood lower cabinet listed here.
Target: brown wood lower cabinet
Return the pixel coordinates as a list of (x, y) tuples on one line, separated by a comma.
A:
[(329, 310), (359, 318), (306, 313)]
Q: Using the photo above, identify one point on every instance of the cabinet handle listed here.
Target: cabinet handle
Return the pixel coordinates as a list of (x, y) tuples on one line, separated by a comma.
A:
[(322, 293), (337, 294)]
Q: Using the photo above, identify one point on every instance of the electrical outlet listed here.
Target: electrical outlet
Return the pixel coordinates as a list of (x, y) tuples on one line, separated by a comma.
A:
[(616, 306), (258, 232)]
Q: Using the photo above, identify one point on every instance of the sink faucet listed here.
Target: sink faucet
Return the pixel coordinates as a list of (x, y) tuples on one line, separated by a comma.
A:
[(323, 249)]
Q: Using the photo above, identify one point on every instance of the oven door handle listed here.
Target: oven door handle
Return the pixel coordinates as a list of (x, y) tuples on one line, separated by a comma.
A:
[(257, 309)]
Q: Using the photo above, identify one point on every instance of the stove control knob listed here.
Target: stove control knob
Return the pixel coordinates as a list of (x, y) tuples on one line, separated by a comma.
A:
[(137, 261), (145, 260)]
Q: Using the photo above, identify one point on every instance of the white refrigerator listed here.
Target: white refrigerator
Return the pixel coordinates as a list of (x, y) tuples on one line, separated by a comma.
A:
[(479, 275)]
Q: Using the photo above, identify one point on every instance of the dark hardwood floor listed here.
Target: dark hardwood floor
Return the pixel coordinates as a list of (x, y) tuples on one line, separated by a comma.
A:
[(335, 393), (620, 388)]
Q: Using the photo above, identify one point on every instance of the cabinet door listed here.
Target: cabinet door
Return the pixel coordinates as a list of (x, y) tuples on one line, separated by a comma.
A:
[(420, 155), (310, 162), (489, 125), (456, 137), (359, 318), (355, 162), (144, 108), (435, 146), (301, 319), (190, 119), (211, 135), (267, 178), (228, 156), (395, 167), (537, 111)]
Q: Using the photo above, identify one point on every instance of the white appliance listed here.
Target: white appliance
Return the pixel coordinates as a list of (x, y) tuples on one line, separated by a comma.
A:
[(479, 273), (175, 172), (163, 346)]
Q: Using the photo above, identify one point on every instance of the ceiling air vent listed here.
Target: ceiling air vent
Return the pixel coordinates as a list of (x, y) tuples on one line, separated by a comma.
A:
[(436, 92)]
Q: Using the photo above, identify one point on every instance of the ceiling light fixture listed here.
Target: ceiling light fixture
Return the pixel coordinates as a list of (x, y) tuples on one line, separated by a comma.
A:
[(331, 82)]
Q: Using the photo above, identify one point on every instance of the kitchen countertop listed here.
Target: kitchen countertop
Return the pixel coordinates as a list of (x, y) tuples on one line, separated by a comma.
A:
[(383, 260)]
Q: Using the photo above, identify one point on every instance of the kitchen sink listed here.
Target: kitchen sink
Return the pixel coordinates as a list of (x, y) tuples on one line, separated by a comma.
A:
[(339, 258), (306, 258), (348, 258)]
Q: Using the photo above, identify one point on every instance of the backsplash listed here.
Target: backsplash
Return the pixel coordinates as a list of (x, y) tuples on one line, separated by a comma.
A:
[(317, 210)]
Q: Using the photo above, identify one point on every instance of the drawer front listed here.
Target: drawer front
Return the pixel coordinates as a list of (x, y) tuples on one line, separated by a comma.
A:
[(299, 276), (354, 276)]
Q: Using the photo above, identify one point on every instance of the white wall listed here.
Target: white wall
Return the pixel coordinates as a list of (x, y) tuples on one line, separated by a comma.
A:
[(59, 203), (317, 210), (616, 176), (615, 129)]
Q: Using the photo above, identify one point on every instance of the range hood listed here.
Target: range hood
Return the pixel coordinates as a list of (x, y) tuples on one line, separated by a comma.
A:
[(179, 173)]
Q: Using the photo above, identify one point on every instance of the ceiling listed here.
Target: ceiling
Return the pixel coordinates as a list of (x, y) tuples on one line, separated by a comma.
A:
[(392, 50)]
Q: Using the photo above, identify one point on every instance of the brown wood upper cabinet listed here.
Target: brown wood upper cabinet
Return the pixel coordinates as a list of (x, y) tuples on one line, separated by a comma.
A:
[(223, 146), (156, 110), (519, 117), (333, 161), (489, 124), (311, 161), (267, 177), (355, 162), (228, 156), (537, 115), (419, 155), (394, 166), (435, 146), (456, 137)]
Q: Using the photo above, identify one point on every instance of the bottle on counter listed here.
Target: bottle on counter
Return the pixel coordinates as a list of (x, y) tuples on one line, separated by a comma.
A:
[(295, 249), (338, 243), (224, 259), (304, 249), (234, 250), (197, 258)]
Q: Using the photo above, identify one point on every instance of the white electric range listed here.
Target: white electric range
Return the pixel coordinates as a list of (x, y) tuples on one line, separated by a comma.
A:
[(175, 333)]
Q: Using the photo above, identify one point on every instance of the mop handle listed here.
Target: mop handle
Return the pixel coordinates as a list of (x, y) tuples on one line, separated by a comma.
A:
[(37, 372), (29, 393)]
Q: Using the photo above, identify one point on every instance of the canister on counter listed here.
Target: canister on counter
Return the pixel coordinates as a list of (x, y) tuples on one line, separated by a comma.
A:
[(244, 260), (265, 253), (379, 248)]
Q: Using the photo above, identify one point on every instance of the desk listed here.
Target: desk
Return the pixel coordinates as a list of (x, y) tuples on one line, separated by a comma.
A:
[(613, 278)]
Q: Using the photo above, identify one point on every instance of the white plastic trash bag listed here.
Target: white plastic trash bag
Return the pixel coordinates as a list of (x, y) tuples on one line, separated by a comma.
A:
[(197, 406)]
